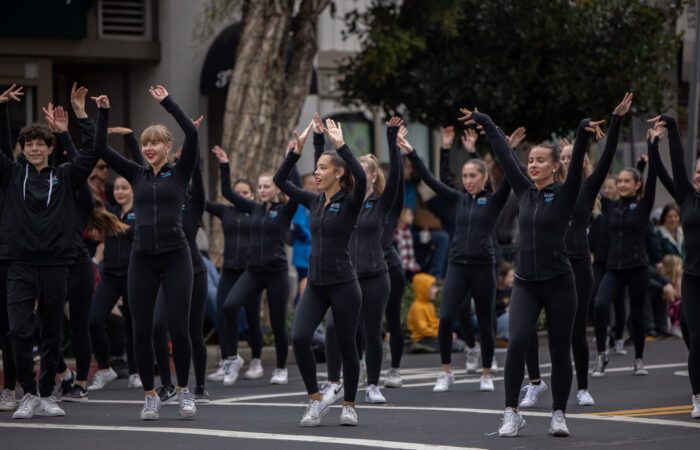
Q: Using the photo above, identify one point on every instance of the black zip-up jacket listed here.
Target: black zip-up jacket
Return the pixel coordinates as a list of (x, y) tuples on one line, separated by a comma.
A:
[(158, 197), (5, 144), (268, 227), (118, 248), (598, 239), (576, 240), (627, 220), (545, 213), (476, 217), (236, 226), (331, 225), (687, 197)]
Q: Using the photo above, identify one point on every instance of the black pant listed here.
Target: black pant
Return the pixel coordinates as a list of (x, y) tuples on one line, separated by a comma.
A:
[(397, 280), (146, 273), (344, 300), (246, 293), (226, 282), (8, 359), (481, 280), (690, 305), (47, 285), (81, 286), (637, 282), (160, 332), (109, 290), (558, 297), (375, 295)]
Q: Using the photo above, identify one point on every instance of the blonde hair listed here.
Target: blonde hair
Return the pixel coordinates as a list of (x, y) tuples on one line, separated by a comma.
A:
[(157, 133), (280, 196), (373, 164), (672, 268)]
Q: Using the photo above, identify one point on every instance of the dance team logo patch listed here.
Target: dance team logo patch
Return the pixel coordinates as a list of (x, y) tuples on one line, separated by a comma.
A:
[(481, 201), (273, 213), (165, 174), (633, 206), (335, 207), (548, 197)]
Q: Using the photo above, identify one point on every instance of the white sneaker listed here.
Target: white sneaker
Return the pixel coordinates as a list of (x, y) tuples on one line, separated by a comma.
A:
[(513, 421), (255, 370), (8, 401), (620, 347), (314, 413), (49, 408), (233, 366), (102, 378), (393, 379), (332, 392), (186, 402), (444, 381), (348, 416), (558, 425), (473, 359), (494, 364), (486, 383), (134, 381), (696, 407), (532, 394), (27, 405), (363, 374), (151, 407), (372, 395), (219, 374), (279, 376), (584, 398), (638, 367), (601, 360)]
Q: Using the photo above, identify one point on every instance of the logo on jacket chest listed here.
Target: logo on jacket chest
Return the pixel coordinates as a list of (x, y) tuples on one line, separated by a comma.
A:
[(53, 180), (481, 201), (131, 216), (334, 207), (273, 213), (165, 174), (548, 197), (633, 206)]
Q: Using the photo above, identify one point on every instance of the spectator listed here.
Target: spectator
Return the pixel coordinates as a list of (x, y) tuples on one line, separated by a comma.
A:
[(302, 237), (404, 240), (673, 270), (98, 179), (670, 232)]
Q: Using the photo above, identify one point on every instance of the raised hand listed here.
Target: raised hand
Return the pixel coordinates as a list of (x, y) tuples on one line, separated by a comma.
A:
[(49, 116), (335, 133), (403, 131), (395, 121), (290, 146), (448, 136), (60, 117), (318, 124), (158, 92), (645, 157), (102, 101), (563, 142), (469, 137), (594, 127), (301, 139), (624, 106), (467, 117), (404, 145), (516, 137), (77, 100), (656, 133), (123, 131), (198, 121), (220, 154), (12, 93)]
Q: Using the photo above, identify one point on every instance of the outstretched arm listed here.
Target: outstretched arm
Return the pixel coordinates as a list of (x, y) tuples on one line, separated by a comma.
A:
[(190, 147), (392, 180), (572, 185), (13, 93), (281, 180), (451, 196), (121, 165), (682, 185), (357, 196)]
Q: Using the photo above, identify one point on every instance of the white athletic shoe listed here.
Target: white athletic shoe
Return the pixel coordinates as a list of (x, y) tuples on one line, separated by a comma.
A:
[(472, 359), (348, 416), (486, 383), (620, 347), (314, 413), (696, 407), (49, 408), (279, 376), (494, 364), (151, 407), (27, 406), (233, 366), (362, 381), (584, 398), (102, 378), (372, 395), (255, 370), (219, 374), (186, 402), (532, 394), (513, 421), (393, 379), (8, 401), (332, 392), (134, 381), (638, 367), (558, 425), (601, 360), (444, 381)]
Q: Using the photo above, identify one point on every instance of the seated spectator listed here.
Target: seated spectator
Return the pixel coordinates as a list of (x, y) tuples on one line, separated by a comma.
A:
[(670, 232), (404, 241)]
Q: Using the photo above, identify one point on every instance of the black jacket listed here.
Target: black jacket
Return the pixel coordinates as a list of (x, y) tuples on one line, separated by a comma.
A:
[(331, 225), (236, 227), (391, 254), (118, 248), (544, 214)]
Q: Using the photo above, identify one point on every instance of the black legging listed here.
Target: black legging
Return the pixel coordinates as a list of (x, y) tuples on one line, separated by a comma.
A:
[(481, 279), (344, 300), (618, 303), (397, 280), (614, 281), (558, 297), (690, 304), (375, 295), (8, 362), (583, 276), (334, 360), (226, 282), (109, 290), (160, 332), (246, 293), (81, 286), (146, 273)]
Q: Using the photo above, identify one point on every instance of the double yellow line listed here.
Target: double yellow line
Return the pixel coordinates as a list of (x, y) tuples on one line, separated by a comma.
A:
[(663, 411)]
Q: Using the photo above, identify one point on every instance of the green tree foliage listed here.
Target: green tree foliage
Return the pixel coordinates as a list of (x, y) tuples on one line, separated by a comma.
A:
[(544, 64)]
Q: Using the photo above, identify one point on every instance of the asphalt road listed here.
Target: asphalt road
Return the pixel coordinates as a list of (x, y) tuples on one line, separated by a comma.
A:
[(649, 412)]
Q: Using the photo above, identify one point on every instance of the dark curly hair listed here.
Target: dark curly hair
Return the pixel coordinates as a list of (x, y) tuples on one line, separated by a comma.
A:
[(36, 131)]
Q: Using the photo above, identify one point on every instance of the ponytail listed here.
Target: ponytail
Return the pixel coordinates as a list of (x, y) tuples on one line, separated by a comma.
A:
[(373, 165)]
